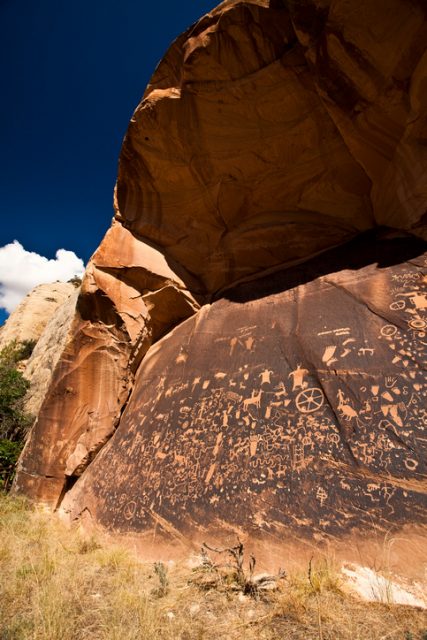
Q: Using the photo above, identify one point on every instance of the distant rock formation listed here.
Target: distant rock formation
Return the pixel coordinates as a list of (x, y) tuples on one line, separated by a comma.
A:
[(31, 316), (271, 134), (41, 365)]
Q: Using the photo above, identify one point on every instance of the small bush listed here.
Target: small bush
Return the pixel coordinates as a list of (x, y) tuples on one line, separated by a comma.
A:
[(14, 421), (9, 454), (76, 281)]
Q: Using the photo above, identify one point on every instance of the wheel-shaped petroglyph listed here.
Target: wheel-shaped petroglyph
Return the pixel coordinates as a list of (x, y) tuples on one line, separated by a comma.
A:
[(398, 305), (418, 324), (388, 330), (309, 400)]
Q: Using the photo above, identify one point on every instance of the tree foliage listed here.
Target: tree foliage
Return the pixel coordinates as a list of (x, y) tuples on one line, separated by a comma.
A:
[(14, 421)]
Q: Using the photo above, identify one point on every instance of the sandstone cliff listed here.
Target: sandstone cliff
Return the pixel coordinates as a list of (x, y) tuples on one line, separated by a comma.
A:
[(41, 365), (30, 318), (270, 133), (302, 414)]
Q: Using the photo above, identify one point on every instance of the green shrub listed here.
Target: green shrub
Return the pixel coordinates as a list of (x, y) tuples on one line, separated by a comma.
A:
[(14, 421), (9, 454)]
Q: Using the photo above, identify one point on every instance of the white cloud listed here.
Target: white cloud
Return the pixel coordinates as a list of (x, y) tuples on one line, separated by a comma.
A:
[(21, 271)]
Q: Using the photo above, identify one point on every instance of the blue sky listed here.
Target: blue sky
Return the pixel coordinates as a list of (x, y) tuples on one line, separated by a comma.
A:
[(72, 74)]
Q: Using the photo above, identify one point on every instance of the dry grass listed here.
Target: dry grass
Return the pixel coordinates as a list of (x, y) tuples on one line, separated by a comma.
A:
[(56, 585)]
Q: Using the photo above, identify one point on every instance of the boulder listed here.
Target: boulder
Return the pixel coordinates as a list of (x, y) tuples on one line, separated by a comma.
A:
[(271, 135), (130, 296), (291, 408), (40, 366), (273, 130), (29, 319)]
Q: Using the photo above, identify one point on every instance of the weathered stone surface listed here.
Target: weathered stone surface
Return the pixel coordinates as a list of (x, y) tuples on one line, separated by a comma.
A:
[(41, 365), (30, 318), (272, 130), (120, 311), (294, 407)]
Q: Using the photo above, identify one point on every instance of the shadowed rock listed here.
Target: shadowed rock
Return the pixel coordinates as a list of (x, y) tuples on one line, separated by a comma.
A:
[(270, 133), (300, 413)]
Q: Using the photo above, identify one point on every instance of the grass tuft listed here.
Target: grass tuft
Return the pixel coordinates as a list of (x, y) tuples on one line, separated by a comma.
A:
[(56, 584)]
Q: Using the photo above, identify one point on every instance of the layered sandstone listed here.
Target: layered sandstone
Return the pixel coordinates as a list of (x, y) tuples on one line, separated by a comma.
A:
[(270, 133), (302, 416), (31, 316), (40, 366), (130, 296), (273, 130)]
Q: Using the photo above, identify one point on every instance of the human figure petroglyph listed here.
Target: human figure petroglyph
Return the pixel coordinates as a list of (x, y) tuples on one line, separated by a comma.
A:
[(298, 378), (307, 441), (321, 495), (253, 444), (265, 376), (255, 400), (387, 493)]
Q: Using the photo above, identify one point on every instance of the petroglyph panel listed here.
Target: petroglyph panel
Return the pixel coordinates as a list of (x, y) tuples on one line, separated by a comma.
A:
[(300, 404)]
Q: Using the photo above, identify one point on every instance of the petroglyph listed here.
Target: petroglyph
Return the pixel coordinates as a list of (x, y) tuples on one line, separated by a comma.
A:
[(328, 355), (298, 378), (255, 400), (309, 400), (266, 376), (266, 421)]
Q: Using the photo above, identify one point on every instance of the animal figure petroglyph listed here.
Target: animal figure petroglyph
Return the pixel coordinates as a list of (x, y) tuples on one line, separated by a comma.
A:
[(255, 399), (281, 390), (346, 410)]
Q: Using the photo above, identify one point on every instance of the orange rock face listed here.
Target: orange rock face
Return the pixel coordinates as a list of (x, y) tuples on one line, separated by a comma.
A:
[(129, 298), (294, 407), (271, 132)]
